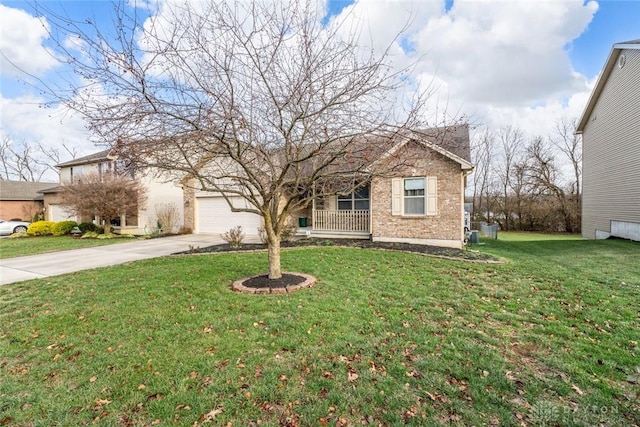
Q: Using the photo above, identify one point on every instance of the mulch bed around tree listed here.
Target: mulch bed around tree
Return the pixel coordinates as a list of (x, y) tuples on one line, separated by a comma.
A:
[(437, 251), (289, 282), (287, 279)]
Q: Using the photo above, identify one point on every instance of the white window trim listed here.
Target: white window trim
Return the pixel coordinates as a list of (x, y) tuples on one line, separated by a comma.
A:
[(431, 197)]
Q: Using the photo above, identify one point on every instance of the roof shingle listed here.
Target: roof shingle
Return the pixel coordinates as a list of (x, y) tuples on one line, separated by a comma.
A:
[(23, 190)]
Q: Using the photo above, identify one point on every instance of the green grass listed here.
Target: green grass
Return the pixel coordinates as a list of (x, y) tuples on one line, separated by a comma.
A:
[(512, 236), (384, 338), (10, 248)]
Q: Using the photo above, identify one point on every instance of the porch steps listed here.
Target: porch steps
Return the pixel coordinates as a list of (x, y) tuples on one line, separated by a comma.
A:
[(308, 232)]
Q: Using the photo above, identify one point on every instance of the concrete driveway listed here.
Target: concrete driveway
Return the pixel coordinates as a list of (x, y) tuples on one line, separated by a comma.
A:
[(54, 263)]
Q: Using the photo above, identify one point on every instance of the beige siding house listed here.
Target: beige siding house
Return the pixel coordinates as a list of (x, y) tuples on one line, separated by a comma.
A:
[(144, 221), (610, 128)]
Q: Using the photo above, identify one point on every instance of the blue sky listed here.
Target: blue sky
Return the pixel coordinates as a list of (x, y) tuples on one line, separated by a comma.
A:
[(615, 21), (523, 62)]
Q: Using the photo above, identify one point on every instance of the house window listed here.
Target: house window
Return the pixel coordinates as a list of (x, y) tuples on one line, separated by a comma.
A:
[(414, 196), (75, 173), (357, 200), (104, 168), (124, 168)]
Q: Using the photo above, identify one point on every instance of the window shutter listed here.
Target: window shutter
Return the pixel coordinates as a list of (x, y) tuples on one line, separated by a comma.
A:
[(432, 195), (396, 196)]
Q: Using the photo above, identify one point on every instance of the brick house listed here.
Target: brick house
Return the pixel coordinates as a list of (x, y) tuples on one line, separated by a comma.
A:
[(21, 199), (423, 202)]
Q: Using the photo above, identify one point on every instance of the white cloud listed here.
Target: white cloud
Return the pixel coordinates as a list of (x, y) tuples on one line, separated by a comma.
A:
[(24, 118), (508, 53), (21, 43), (499, 62)]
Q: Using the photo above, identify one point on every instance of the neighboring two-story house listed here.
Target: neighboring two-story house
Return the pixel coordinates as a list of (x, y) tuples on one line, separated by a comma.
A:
[(610, 128), (143, 221)]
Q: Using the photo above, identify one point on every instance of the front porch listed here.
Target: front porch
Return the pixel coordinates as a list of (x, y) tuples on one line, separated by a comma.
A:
[(343, 215), (350, 224)]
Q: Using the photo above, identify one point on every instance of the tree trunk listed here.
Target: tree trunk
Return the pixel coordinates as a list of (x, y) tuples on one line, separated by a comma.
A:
[(273, 249), (275, 271)]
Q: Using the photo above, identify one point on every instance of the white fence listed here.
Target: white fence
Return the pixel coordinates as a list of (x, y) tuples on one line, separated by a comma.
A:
[(341, 220)]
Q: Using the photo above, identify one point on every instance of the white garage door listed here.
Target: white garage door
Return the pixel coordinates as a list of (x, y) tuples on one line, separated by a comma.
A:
[(213, 215), (59, 213)]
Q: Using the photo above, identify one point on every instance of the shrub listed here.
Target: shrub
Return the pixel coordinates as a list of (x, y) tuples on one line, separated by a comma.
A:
[(87, 226), (63, 227), (19, 235), (167, 215), (40, 228), (287, 234), (90, 235), (234, 237), (106, 236)]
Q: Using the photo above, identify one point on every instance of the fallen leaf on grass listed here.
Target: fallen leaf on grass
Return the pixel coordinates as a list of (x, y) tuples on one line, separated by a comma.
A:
[(93, 379), (577, 389), (101, 402), (258, 373), (212, 415), (352, 376), (633, 379)]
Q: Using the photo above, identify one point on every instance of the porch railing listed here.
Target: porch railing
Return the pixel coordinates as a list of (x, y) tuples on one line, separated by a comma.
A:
[(332, 220)]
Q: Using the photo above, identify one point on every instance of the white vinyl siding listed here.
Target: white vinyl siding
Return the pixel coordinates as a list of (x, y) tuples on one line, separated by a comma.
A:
[(414, 196), (611, 151)]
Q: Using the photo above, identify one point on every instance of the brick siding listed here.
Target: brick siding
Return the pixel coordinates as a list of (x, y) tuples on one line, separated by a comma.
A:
[(446, 225)]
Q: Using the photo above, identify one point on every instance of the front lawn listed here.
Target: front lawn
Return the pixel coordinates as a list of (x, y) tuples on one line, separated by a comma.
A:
[(10, 248), (384, 338)]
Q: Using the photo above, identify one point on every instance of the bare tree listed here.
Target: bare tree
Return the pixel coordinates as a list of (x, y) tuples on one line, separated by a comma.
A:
[(483, 151), (262, 102), (19, 161), (510, 146), (569, 143), (106, 196), (545, 180), (25, 161)]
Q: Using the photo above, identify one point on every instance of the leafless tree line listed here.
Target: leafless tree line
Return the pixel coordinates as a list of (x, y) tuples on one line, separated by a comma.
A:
[(528, 184), (29, 161)]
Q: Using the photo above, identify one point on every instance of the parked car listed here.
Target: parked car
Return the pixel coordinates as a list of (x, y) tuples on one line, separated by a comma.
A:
[(10, 227)]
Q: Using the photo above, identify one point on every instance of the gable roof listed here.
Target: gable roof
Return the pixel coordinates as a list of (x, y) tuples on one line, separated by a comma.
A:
[(22, 190), (91, 158), (452, 139), (602, 80)]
